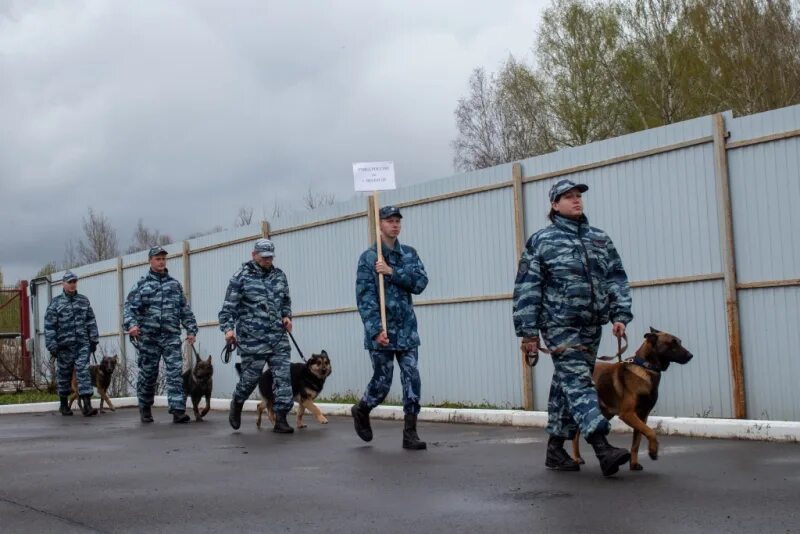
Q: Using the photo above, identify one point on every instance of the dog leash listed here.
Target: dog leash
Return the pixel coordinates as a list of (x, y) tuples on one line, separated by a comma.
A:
[(295, 345), (227, 350), (620, 350)]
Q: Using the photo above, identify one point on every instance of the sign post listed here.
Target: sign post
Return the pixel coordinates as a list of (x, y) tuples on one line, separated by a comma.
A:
[(373, 177)]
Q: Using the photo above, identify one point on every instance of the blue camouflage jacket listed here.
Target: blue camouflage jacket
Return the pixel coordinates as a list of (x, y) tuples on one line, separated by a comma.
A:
[(570, 274), (255, 303), (157, 305), (409, 278), (69, 322)]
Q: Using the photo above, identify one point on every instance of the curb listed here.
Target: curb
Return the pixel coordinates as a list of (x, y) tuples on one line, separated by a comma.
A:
[(749, 429)]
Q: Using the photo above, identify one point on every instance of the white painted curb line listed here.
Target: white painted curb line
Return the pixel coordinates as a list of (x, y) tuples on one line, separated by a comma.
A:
[(750, 429)]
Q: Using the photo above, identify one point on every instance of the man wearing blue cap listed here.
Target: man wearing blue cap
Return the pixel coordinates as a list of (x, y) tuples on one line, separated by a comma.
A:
[(70, 333), (154, 312), (571, 282), (255, 316), (404, 275)]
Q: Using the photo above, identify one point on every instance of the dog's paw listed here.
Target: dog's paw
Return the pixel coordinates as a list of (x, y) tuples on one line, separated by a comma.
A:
[(323, 420), (302, 425), (653, 454), (636, 467), (580, 460)]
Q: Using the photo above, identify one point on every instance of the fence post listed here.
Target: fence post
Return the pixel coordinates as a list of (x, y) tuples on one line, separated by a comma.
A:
[(519, 241), (187, 277), (25, 332), (121, 313), (265, 229), (725, 214)]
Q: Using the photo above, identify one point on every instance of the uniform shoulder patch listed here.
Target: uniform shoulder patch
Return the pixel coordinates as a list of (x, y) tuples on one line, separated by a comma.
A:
[(522, 270)]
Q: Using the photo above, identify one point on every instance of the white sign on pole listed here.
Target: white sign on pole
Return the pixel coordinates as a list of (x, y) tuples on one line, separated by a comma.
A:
[(374, 176)]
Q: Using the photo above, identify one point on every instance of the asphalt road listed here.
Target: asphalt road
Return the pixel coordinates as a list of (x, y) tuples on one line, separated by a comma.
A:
[(113, 474)]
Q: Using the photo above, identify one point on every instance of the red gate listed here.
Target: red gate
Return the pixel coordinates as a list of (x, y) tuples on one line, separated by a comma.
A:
[(15, 361)]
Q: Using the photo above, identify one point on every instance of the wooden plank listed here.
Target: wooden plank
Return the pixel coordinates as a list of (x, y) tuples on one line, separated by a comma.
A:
[(519, 241), (454, 194), (123, 348), (324, 222), (763, 139), (729, 267), (678, 280), (620, 159), (769, 283)]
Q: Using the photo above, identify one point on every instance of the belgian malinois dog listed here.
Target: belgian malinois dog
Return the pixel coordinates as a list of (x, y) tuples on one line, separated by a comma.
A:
[(197, 383), (629, 389), (101, 379)]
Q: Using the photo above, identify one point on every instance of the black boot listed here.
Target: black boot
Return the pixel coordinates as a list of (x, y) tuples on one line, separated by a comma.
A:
[(235, 415), (179, 417), (410, 438), (610, 457), (64, 408), (281, 426), (360, 413), (86, 407), (557, 458), (145, 414)]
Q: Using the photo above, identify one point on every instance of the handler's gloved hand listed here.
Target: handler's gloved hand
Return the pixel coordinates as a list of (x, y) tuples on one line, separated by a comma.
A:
[(92, 346), (53, 355)]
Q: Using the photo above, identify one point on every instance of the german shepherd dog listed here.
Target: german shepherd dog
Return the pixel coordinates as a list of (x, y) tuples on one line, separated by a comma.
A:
[(307, 382), (101, 379), (197, 383), (630, 389)]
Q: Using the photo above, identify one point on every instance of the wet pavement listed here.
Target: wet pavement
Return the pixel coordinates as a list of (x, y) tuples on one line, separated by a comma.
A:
[(113, 474)]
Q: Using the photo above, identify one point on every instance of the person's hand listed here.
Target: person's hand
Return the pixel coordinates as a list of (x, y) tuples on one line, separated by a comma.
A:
[(530, 345), (618, 329), (287, 324), (230, 337), (92, 346), (382, 339), (382, 268), (134, 332), (190, 339)]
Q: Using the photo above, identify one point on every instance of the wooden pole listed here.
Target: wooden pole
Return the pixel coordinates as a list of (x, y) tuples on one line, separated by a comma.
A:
[(725, 213), (519, 241), (379, 249), (265, 229), (123, 351)]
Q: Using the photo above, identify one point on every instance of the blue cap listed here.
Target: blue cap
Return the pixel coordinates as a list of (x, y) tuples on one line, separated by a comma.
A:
[(389, 211), (155, 251), (265, 248), (562, 186), (68, 276)]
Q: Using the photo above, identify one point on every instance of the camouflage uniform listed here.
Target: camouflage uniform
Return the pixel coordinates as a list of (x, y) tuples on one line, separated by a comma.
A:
[(569, 283), (408, 278), (157, 305), (255, 304), (70, 329)]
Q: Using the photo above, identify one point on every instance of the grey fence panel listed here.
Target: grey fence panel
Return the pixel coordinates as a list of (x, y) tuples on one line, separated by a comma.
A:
[(211, 270), (770, 341), (765, 190), (772, 122), (320, 264)]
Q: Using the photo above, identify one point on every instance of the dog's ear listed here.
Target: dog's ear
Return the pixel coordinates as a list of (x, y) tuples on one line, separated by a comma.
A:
[(652, 338), (324, 353), (209, 359), (654, 331), (197, 357), (116, 358)]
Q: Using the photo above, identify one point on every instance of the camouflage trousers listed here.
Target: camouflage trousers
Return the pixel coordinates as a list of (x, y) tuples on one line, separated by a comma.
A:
[(252, 367), (151, 351), (76, 358), (381, 383), (573, 398)]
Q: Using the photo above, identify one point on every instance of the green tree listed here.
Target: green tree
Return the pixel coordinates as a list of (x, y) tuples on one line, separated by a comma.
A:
[(48, 269)]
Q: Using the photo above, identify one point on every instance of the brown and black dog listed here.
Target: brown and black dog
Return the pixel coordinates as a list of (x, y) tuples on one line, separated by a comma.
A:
[(101, 379), (197, 383), (630, 389), (307, 382)]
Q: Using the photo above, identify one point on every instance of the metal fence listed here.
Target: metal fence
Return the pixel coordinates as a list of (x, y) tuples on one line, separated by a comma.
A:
[(701, 212)]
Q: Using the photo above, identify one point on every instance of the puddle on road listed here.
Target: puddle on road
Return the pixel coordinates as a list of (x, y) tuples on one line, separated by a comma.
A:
[(489, 441)]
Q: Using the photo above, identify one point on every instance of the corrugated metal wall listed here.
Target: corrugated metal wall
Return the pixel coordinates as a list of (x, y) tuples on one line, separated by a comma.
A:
[(654, 192)]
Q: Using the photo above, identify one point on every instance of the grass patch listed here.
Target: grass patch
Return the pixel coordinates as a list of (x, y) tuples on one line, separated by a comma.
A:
[(25, 397), (350, 398)]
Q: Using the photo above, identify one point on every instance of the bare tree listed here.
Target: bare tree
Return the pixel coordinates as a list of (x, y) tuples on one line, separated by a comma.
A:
[(101, 239), (47, 269), (70, 255), (313, 200), (277, 211), (244, 217), (144, 238)]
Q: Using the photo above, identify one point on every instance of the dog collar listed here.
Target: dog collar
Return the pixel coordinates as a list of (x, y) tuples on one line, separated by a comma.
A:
[(643, 363)]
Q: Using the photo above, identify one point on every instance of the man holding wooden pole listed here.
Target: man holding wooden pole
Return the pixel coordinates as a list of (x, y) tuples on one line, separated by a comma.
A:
[(390, 325)]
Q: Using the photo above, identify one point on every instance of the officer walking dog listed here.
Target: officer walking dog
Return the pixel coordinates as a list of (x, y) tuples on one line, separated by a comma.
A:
[(629, 389), (404, 275), (256, 315), (154, 312), (70, 332)]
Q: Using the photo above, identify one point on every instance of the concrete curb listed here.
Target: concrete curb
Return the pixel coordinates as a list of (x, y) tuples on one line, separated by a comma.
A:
[(750, 429)]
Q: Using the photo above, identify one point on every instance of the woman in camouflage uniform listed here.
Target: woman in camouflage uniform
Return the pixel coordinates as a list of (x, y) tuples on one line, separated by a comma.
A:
[(571, 282)]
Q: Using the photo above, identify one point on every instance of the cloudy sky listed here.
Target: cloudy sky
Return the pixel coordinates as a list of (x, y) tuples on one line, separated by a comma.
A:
[(179, 113)]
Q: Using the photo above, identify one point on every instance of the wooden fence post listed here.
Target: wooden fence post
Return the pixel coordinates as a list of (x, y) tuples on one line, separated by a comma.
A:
[(519, 240)]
